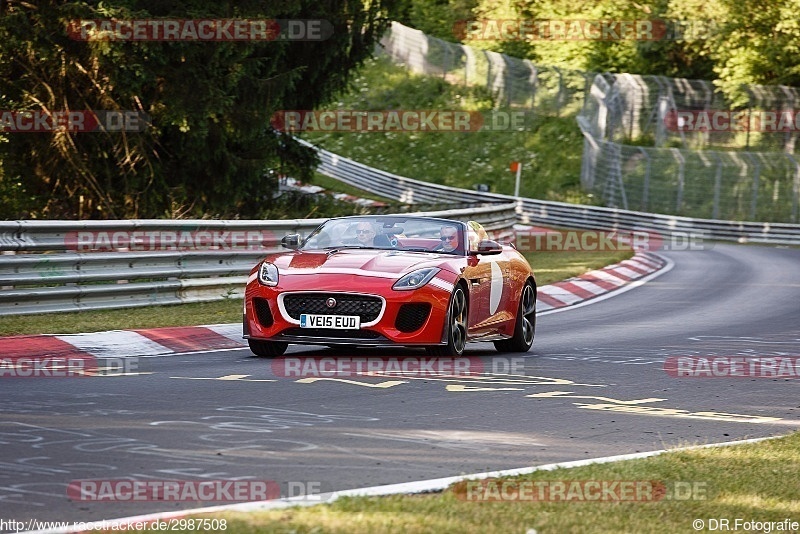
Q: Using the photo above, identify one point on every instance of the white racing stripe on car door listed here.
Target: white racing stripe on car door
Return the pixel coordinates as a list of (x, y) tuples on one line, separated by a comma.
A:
[(496, 291)]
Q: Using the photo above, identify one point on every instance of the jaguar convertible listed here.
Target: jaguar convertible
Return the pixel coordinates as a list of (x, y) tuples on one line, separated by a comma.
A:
[(391, 280)]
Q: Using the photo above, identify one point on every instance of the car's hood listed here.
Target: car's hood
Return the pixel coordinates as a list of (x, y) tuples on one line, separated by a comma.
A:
[(361, 262)]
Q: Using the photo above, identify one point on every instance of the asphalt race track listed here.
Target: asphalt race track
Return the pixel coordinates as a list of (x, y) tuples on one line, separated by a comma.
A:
[(593, 385)]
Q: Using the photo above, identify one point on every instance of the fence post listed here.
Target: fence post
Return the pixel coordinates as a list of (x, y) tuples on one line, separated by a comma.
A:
[(787, 137), (646, 185), (756, 179), (559, 96), (749, 118), (717, 186), (661, 116), (488, 71), (681, 170), (588, 82), (614, 186), (795, 187), (589, 162), (445, 57), (469, 59), (533, 81), (508, 78)]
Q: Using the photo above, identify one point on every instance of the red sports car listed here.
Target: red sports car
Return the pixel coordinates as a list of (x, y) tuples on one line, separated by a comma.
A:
[(391, 280)]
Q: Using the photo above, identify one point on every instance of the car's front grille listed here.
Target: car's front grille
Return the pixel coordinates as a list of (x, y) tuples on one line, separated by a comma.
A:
[(263, 312), (366, 307), (331, 333), (412, 316)]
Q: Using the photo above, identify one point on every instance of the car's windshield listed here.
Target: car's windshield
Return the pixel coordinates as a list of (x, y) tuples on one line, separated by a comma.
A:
[(417, 234)]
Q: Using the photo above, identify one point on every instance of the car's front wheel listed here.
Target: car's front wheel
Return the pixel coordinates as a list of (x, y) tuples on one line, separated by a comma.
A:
[(525, 327), (267, 349), (456, 326)]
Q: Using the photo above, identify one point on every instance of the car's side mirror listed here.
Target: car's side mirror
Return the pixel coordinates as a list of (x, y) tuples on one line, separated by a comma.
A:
[(487, 246), (291, 241)]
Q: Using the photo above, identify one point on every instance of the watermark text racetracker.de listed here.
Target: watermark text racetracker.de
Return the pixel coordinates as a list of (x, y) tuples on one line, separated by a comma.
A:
[(167, 239), (733, 366), (311, 366), (721, 120), (550, 240), (401, 120), (608, 491), (73, 121), (200, 30), (206, 490), (581, 30), (406, 366), (69, 366)]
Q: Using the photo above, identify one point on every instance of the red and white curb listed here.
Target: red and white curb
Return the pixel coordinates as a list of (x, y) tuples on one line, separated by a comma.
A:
[(114, 343), (419, 486), (601, 283), (585, 289)]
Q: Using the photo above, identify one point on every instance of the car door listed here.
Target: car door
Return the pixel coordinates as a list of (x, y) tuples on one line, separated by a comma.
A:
[(486, 275)]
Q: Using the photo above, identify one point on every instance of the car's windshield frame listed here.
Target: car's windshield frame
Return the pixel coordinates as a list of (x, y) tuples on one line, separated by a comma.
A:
[(390, 232)]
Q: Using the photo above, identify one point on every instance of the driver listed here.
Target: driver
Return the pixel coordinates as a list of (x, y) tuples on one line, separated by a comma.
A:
[(449, 236), (365, 234)]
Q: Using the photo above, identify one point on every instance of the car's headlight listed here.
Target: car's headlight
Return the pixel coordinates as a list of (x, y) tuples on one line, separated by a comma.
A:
[(416, 279), (268, 274)]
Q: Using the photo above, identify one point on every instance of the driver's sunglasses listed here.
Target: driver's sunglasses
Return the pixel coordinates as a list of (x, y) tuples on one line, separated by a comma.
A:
[(364, 231), (448, 237)]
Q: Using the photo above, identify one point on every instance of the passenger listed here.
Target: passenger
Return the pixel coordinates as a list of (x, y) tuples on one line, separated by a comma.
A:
[(365, 234)]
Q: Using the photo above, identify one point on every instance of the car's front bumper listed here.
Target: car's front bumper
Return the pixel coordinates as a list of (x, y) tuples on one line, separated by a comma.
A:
[(279, 325)]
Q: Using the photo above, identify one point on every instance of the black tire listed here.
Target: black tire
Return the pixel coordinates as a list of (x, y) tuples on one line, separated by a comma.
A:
[(456, 327), (267, 349), (525, 328)]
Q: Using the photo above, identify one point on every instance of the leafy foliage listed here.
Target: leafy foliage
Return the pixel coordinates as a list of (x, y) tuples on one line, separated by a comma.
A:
[(209, 144), (731, 41)]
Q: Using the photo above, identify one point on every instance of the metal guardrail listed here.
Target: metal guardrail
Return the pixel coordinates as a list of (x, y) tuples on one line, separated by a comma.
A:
[(550, 213), (51, 266), (392, 186)]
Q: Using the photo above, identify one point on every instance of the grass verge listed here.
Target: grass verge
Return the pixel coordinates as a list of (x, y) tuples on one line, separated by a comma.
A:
[(548, 266), (552, 266), (221, 311), (335, 186), (752, 482)]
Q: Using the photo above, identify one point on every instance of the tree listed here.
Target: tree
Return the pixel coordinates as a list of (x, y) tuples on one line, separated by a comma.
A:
[(209, 145), (748, 42)]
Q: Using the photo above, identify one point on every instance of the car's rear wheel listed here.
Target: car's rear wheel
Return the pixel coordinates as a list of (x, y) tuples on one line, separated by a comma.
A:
[(525, 328), (456, 326), (267, 349)]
